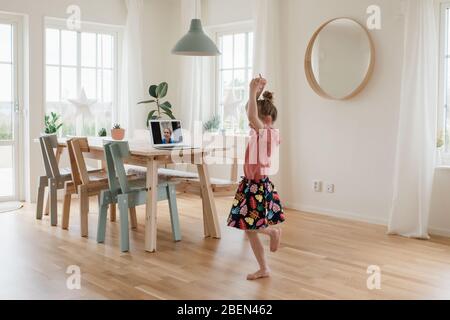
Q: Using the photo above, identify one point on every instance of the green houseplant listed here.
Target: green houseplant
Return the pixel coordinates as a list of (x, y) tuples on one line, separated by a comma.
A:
[(158, 92), (212, 125), (102, 132), (51, 123)]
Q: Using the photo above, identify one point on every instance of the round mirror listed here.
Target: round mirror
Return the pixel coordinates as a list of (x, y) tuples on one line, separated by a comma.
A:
[(340, 58)]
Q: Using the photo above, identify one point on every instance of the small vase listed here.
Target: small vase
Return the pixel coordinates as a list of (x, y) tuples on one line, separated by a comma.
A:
[(118, 134)]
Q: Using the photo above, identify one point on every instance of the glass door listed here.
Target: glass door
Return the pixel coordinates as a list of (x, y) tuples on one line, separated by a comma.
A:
[(9, 111)]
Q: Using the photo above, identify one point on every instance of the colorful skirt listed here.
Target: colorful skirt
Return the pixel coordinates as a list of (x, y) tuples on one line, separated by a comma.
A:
[(256, 206)]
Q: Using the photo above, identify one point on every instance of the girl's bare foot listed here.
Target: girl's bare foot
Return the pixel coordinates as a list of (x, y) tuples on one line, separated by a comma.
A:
[(275, 239), (260, 274)]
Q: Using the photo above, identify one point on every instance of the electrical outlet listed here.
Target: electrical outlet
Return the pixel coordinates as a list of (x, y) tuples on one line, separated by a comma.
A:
[(317, 186), (330, 188)]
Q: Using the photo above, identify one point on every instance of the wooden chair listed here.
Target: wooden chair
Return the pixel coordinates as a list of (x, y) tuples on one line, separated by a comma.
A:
[(84, 183), (129, 193), (54, 179)]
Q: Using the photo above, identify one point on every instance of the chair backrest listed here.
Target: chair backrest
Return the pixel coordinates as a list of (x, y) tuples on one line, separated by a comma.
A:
[(76, 147), (114, 186), (120, 150), (48, 145)]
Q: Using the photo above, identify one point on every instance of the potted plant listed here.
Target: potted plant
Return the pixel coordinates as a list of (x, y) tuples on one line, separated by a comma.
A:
[(117, 133), (51, 123), (158, 92), (212, 125), (102, 132)]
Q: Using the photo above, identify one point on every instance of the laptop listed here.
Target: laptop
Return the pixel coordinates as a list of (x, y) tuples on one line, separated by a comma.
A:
[(167, 135)]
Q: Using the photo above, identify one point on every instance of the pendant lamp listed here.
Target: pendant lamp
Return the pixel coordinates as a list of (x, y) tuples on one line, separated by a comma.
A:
[(196, 42)]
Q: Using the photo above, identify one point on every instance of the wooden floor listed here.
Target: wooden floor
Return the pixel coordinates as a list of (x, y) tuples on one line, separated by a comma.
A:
[(320, 258)]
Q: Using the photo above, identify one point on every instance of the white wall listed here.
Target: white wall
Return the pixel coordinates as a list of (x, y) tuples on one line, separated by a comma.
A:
[(219, 12), (440, 209), (162, 30), (351, 144)]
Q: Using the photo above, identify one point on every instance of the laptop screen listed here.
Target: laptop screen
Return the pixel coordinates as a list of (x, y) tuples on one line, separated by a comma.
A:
[(166, 132)]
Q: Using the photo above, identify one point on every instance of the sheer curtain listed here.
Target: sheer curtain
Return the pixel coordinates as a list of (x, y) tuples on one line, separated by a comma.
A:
[(131, 82), (266, 56), (266, 53), (416, 141), (197, 83)]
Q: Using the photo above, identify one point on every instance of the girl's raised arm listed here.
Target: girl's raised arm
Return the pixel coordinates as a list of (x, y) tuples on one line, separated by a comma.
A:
[(256, 87)]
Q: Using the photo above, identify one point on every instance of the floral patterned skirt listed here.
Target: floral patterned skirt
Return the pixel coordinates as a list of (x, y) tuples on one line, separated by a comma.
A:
[(256, 206)]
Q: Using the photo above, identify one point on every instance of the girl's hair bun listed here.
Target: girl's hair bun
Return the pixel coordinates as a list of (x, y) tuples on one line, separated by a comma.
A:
[(267, 95)]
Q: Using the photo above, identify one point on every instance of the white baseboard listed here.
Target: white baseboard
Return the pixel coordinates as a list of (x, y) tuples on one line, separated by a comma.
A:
[(439, 232), (355, 217), (336, 213)]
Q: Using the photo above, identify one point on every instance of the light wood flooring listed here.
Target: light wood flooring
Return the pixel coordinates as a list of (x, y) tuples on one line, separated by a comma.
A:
[(320, 258)]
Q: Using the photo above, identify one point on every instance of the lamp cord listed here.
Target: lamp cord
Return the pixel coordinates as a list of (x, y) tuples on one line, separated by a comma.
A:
[(196, 9)]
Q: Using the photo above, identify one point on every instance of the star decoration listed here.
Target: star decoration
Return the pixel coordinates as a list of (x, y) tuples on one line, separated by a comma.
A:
[(83, 104)]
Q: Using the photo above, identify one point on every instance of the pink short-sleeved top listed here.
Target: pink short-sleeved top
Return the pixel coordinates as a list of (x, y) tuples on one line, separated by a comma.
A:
[(261, 148)]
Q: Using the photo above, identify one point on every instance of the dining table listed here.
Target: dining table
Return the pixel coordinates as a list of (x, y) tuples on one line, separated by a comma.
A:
[(143, 154)]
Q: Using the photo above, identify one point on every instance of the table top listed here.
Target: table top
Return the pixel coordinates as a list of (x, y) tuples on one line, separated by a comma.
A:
[(143, 148)]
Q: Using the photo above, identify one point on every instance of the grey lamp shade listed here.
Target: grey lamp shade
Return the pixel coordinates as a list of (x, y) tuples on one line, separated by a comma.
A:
[(196, 42)]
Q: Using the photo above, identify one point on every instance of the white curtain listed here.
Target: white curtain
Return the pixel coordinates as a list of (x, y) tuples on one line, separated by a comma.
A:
[(416, 141), (266, 54), (131, 79), (197, 83), (267, 57)]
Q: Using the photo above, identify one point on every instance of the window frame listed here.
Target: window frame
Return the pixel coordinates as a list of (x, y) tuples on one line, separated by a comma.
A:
[(217, 32), (19, 127), (116, 31), (444, 67)]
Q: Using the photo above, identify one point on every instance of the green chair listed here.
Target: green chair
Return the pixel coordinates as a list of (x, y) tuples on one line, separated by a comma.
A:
[(129, 193)]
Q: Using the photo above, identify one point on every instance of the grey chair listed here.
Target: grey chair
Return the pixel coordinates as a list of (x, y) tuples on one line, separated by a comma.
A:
[(54, 179)]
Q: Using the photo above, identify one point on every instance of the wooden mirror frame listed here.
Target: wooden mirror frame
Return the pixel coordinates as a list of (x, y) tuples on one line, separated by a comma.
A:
[(309, 70)]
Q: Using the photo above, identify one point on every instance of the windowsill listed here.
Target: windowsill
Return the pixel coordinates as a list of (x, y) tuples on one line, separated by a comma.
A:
[(443, 167)]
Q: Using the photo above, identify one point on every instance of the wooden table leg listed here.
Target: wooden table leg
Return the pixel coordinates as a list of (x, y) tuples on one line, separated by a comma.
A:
[(47, 201), (151, 207), (206, 223), (212, 220), (112, 212)]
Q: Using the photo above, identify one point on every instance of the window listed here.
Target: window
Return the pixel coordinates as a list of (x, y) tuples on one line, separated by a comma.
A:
[(443, 142), (81, 61), (234, 71), (6, 81), (10, 93)]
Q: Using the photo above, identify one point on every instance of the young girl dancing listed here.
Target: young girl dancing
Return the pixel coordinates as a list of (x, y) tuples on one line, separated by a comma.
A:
[(257, 205)]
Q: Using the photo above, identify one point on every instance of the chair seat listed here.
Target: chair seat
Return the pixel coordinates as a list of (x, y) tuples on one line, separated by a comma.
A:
[(173, 173), (97, 176), (136, 170), (98, 180), (68, 171), (163, 173), (65, 171), (216, 182), (170, 174)]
